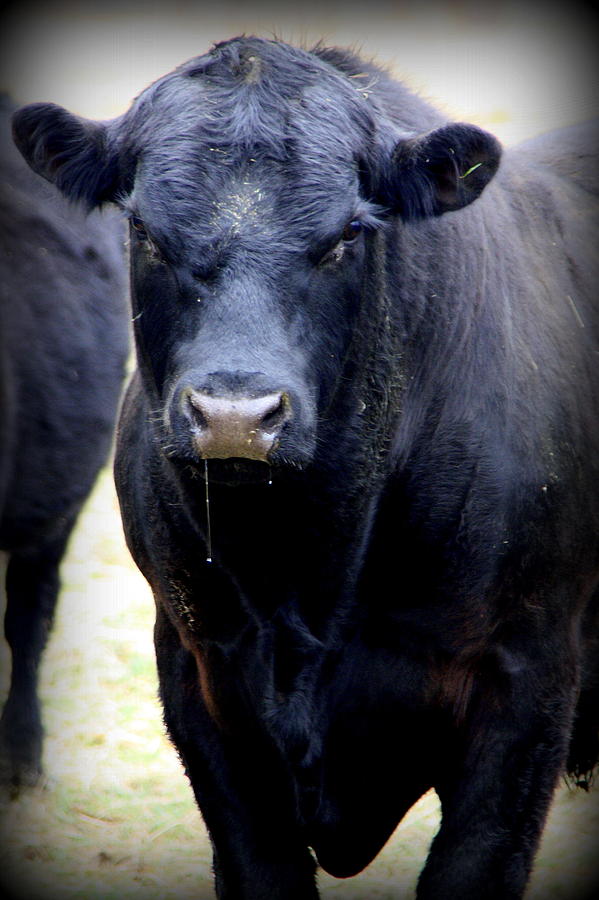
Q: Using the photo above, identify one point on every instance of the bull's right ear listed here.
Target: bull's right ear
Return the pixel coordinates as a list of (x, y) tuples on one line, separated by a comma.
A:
[(69, 151)]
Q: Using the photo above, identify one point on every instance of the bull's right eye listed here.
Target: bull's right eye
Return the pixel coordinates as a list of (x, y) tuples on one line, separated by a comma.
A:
[(139, 228), (351, 231), (144, 240)]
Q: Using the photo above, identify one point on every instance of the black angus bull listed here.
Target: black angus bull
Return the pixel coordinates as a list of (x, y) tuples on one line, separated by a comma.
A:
[(359, 460), (63, 346)]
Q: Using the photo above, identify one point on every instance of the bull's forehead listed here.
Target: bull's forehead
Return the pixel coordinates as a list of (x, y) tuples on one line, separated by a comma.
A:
[(257, 135), (211, 194), (244, 204)]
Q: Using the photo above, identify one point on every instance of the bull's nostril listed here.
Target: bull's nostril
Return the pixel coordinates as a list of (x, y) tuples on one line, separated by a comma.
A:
[(278, 414), (192, 407)]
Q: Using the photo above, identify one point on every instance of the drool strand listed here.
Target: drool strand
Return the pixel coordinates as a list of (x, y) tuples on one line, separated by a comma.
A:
[(209, 529)]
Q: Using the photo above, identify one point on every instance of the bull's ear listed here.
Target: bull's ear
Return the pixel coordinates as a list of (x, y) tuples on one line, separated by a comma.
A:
[(69, 151), (441, 171)]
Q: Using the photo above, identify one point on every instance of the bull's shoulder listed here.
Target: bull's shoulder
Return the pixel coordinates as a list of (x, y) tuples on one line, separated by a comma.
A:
[(571, 152)]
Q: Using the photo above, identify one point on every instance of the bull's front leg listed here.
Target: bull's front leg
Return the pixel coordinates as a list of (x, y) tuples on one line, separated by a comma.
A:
[(499, 777), (240, 786)]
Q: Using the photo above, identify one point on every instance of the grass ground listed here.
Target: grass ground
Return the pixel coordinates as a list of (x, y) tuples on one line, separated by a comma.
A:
[(116, 819)]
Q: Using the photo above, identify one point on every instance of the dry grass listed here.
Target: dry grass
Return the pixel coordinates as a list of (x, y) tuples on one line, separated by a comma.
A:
[(116, 818)]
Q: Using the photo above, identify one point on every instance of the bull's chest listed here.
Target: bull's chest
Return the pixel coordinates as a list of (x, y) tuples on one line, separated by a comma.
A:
[(314, 696)]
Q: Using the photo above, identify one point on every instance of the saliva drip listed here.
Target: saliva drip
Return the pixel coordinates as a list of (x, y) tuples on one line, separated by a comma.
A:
[(208, 525)]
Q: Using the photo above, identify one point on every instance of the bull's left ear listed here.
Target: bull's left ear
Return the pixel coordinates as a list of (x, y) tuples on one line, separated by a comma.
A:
[(441, 171), (71, 152)]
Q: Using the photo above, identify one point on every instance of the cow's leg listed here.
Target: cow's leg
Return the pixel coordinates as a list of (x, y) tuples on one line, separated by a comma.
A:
[(245, 799), (510, 755), (32, 585), (583, 754)]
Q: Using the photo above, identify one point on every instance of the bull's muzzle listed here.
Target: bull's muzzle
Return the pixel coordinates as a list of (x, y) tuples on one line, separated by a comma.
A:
[(223, 427)]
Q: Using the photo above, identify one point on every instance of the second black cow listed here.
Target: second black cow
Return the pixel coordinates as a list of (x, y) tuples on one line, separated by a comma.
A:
[(63, 348), (359, 461)]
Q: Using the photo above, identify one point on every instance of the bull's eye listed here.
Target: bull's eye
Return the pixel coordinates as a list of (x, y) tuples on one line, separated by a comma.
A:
[(348, 237), (144, 239), (139, 228), (351, 231)]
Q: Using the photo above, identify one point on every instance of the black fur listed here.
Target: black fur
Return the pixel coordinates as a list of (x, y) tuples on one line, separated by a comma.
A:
[(63, 345), (69, 152), (413, 601)]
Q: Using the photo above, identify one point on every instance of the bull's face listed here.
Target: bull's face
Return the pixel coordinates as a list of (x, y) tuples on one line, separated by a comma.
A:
[(254, 179), (244, 309)]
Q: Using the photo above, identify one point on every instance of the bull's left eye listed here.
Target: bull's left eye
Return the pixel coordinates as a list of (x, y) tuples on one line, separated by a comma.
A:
[(351, 231), (348, 236)]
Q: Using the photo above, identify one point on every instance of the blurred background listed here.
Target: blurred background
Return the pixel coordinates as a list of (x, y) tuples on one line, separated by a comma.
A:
[(115, 817), (519, 66)]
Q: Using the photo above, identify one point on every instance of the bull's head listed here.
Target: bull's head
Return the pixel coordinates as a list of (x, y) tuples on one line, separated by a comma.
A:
[(254, 179)]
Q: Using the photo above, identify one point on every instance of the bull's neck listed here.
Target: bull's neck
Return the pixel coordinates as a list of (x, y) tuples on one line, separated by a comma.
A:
[(298, 539)]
